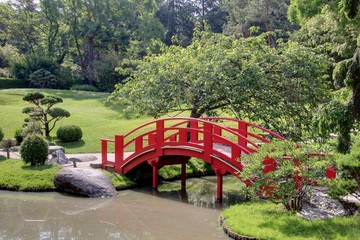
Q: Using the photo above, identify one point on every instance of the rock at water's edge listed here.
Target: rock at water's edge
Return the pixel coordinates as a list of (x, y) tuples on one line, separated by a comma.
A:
[(320, 205), (85, 182)]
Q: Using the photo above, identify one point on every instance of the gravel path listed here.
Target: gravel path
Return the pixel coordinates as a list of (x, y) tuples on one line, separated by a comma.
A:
[(83, 160)]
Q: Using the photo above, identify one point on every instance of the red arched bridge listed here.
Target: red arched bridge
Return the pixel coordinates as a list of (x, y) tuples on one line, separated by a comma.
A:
[(218, 141)]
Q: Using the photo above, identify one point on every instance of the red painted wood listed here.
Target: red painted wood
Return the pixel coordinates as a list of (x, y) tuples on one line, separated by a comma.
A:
[(155, 177), (219, 187), (159, 136), (183, 175), (104, 153), (119, 153)]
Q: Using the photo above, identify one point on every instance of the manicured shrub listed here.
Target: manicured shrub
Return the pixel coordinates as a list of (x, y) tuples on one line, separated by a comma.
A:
[(69, 133), (34, 149), (1, 134), (19, 135)]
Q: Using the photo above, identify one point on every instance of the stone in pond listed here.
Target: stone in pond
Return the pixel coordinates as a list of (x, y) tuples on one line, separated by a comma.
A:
[(84, 182)]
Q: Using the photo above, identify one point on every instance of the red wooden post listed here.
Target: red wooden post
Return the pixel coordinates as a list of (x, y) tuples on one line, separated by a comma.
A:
[(193, 133), (103, 153), (183, 176), (183, 135), (159, 136), (208, 141), (138, 143), (155, 177), (242, 130), (151, 139), (219, 186), (119, 152), (217, 131)]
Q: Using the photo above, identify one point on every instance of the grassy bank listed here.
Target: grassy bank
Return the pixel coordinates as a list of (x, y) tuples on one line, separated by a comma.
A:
[(87, 110), (266, 220), (17, 176)]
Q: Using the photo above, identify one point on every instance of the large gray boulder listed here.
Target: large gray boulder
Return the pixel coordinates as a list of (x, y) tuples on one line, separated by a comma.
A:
[(319, 205), (85, 182), (59, 157)]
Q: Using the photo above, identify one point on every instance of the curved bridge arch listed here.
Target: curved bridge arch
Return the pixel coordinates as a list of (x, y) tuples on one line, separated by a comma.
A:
[(218, 141)]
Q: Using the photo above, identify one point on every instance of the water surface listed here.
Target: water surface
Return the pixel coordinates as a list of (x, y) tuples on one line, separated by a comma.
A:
[(133, 214)]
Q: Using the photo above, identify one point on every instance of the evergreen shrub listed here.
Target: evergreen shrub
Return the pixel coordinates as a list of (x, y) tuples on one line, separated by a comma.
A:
[(19, 135), (1, 134), (69, 133), (34, 149)]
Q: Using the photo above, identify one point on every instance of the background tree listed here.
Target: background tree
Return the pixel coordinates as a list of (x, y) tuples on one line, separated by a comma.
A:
[(180, 16), (267, 15), (332, 27), (276, 87), (44, 110)]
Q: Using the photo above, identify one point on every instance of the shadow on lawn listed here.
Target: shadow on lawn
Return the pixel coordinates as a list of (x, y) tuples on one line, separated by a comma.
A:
[(70, 145), (320, 229), (37, 167)]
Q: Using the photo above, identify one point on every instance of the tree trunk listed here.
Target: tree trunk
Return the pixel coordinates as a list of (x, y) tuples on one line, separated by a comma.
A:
[(294, 204), (90, 60), (46, 126)]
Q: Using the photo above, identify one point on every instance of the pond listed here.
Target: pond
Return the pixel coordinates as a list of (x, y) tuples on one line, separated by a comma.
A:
[(133, 214)]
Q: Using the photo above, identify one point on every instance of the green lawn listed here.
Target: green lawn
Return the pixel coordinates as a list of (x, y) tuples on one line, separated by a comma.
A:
[(265, 220), (87, 111), (16, 175)]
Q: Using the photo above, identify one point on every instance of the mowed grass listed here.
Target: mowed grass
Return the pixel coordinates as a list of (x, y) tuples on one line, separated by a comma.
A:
[(87, 109), (265, 220), (16, 175)]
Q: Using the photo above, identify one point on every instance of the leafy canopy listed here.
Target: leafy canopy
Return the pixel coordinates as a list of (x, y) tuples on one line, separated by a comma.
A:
[(277, 87)]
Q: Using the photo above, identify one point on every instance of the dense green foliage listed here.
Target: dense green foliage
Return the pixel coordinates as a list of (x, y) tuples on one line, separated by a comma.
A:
[(262, 15), (335, 117), (264, 220), (11, 83), (16, 175), (34, 150), (69, 133), (275, 87), (1, 134), (350, 164)]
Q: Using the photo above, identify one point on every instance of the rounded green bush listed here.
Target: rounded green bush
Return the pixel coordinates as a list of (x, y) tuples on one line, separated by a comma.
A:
[(1, 134), (34, 149), (69, 133), (19, 136)]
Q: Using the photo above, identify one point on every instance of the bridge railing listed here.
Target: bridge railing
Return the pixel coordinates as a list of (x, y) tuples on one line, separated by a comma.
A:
[(201, 133)]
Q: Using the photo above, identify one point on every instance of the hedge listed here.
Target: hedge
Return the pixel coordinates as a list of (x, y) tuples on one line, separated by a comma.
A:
[(6, 83)]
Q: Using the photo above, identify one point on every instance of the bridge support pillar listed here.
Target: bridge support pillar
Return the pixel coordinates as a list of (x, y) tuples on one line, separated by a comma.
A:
[(155, 181), (183, 176), (219, 173), (219, 187)]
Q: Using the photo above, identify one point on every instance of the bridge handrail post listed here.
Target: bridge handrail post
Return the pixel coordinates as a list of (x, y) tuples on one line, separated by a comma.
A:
[(242, 127), (194, 134), (104, 159), (119, 152), (159, 140), (208, 140)]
